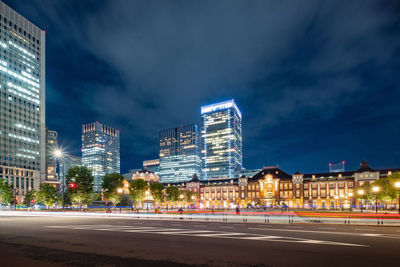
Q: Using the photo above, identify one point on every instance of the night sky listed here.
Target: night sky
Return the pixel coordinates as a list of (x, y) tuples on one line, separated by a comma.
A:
[(316, 81)]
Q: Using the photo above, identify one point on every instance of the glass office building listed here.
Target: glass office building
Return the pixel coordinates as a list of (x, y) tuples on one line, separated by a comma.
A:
[(22, 102), (51, 160), (100, 151), (66, 162), (221, 140), (179, 154), (152, 165)]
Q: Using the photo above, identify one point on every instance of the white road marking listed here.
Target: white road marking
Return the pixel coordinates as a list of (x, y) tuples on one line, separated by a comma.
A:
[(200, 225), (331, 233), (203, 233), (220, 234)]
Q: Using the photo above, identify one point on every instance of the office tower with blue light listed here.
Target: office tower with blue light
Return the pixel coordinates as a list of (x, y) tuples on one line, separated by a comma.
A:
[(221, 140), (179, 154), (22, 102), (100, 151)]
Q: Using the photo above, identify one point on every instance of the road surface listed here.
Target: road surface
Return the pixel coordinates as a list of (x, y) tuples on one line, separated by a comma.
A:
[(90, 241)]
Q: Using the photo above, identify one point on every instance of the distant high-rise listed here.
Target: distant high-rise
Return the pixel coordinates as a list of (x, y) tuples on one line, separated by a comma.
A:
[(221, 140), (22, 102), (179, 154), (152, 165), (100, 151), (51, 160)]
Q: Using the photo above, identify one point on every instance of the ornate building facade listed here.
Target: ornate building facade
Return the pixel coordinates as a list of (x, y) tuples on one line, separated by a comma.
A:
[(274, 187)]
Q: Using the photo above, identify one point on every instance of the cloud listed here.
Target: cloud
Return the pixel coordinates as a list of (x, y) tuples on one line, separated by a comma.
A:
[(145, 66)]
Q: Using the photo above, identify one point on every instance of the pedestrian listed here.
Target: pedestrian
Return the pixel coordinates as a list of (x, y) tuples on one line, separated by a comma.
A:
[(237, 210)]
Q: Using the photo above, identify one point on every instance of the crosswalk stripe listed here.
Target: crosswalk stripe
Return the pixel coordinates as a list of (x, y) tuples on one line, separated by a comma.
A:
[(201, 233)]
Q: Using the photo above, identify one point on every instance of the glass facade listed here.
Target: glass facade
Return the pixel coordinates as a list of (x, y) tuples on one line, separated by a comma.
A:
[(22, 94), (66, 162), (179, 154), (152, 165), (221, 140), (100, 151), (51, 160)]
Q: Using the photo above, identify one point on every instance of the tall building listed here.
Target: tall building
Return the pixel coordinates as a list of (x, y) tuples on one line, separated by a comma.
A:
[(179, 153), (100, 151), (22, 101), (221, 140), (152, 165), (51, 160), (66, 162)]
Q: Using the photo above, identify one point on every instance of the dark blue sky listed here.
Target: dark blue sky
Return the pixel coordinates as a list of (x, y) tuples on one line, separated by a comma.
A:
[(316, 81)]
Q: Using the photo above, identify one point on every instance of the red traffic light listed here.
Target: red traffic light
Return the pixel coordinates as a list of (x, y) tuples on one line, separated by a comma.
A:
[(72, 185)]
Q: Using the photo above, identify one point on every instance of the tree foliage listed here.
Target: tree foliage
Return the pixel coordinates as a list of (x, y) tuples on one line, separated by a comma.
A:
[(387, 190), (46, 195), (30, 195), (114, 198), (157, 191), (188, 195), (82, 193), (111, 182), (137, 189), (6, 192), (172, 194)]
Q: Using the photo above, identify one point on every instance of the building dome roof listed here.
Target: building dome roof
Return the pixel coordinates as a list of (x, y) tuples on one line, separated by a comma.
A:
[(146, 175)]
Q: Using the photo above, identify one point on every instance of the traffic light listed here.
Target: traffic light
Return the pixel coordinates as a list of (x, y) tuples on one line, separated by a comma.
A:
[(72, 185)]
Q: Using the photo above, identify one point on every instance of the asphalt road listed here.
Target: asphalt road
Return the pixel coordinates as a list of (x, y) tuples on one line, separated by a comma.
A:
[(82, 241)]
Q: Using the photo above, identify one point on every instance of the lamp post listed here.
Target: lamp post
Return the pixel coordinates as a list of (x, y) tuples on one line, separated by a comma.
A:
[(59, 154), (397, 185), (336, 200), (375, 189), (350, 194), (361, 193), (147, 198)]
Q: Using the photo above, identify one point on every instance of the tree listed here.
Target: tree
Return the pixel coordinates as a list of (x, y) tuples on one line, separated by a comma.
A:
[(46, 195), (188, 195), (137, 189), (172, 194), (6, 192), (30, 195), (111, 182), (114, 198), (82, 178), (157, 191)]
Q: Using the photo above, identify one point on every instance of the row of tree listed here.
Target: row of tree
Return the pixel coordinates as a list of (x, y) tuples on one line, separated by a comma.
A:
[(79, 191), (386, 189)]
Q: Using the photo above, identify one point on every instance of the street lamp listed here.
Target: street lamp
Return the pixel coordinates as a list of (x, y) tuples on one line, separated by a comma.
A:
[(350, 195), (375, 189), (361, 193), (59, 154), (397, 185), (119, 190)]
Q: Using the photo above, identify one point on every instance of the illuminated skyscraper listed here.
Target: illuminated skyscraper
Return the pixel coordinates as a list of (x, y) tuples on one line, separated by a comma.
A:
[(51, 160), (221, 140), (100, 151), (22, 102), (179, 154)]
